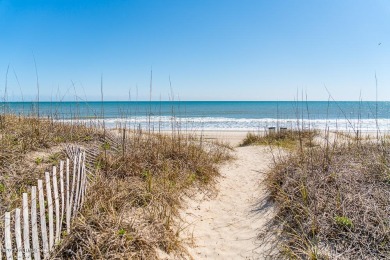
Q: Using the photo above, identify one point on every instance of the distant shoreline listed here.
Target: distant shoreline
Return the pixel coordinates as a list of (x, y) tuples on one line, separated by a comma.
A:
[(218, 115)]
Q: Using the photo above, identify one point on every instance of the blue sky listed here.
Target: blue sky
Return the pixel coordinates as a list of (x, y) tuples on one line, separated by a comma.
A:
[(211, 50)]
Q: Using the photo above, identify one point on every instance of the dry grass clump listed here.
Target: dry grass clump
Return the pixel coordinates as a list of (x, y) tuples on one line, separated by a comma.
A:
[(136, 186), (108, 228), (133, 202), (23, 134), (286, 139), (334, 201), (29, 147)]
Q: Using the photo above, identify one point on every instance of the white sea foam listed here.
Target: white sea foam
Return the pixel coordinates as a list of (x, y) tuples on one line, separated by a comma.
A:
[(243, 124)]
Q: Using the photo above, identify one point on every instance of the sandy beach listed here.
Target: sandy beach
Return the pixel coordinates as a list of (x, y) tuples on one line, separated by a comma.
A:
[(195, 130), (225, 224), (233, 138)]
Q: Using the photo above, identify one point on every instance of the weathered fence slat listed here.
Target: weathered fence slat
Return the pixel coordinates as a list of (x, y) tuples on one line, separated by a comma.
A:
[(7, 235), (81, 183), (34, 223), (84, 180), (62, 193), (50, 210), (76, 199), (57, 204), (45, 244), (66, 197), (26, 228), (81, 180), (68, 211), (18, 235), (73, 185)]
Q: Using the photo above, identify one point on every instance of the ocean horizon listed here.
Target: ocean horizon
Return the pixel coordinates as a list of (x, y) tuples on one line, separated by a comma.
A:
[(216, 115)]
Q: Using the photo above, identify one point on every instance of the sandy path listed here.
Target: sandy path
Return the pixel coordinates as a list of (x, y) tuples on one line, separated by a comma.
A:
[(225, 226)]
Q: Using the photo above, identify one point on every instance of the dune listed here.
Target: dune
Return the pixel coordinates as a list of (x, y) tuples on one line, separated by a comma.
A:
[(226, 223)]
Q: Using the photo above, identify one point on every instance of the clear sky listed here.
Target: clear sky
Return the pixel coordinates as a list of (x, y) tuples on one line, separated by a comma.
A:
[(210, 49)]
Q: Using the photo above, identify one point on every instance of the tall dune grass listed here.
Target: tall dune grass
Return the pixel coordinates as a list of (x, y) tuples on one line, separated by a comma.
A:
[(137, 181), (288, 139), (333, 200)]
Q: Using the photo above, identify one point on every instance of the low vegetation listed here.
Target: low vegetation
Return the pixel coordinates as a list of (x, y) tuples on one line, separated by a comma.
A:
[(333, 201), (289, 139), (29, 147), (136, 183), (133, 202)]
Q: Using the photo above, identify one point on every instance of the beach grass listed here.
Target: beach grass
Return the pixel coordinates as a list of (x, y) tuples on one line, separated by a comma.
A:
[(333, 201), (136, 188), (29, 147), (288, 139)]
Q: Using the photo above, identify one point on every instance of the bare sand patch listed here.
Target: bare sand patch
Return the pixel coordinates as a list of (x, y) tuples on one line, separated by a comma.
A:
[(226, 224)]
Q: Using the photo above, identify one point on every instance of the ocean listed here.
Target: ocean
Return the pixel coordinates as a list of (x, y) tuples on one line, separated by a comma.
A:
[(217, 115)]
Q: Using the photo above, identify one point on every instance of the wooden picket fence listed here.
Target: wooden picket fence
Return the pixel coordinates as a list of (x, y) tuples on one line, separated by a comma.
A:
[(34, 230)]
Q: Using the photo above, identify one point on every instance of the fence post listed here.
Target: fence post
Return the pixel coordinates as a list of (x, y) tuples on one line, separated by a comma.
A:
[(50, 210), (57, 204), (7, 235), (73, 186), (34, 223), (76, 199), (26, 228), (68, 206), (81, 181), (45, 244), (84, 180), (62, 193), (18, 235)]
